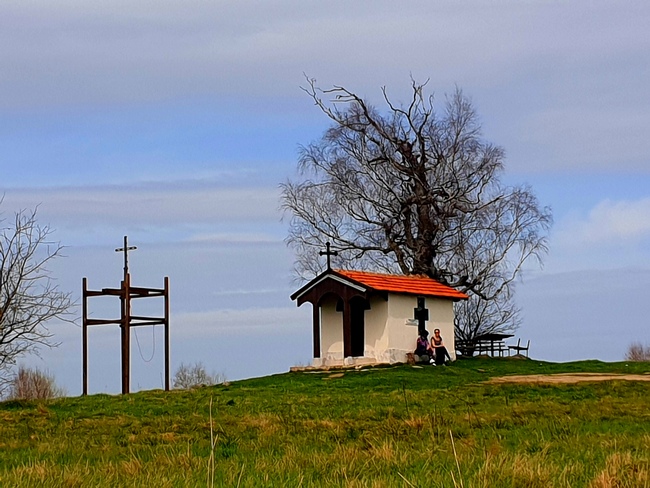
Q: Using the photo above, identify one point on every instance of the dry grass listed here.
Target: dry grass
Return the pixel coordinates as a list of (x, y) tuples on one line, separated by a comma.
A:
[(398, 427), (623, 470)]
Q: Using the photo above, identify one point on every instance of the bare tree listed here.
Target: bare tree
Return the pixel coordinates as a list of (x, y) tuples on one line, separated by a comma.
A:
[(28, 295), (417, 191), (477, 316)]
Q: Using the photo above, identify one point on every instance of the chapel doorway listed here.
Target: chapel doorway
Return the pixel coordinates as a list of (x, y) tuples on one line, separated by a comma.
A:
[(358, 307)]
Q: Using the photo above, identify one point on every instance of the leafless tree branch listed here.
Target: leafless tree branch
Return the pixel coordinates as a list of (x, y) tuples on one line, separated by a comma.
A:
[(29, 296), (415, 190)]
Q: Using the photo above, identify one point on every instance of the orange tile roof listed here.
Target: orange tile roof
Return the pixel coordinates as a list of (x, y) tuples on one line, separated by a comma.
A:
[(412, 285)]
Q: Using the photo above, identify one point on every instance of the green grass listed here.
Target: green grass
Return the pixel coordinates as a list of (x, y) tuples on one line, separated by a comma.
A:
[(396, 426)]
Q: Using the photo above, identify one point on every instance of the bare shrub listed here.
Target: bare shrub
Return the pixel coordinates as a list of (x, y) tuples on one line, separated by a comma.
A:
[(637, 352), (194, 375), (33, 384)]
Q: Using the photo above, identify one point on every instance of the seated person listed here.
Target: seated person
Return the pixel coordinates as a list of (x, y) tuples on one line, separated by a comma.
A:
[(423, 350), (440, 351)]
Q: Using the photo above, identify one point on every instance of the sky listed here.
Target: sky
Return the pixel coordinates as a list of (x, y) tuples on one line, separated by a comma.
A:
[(175, 122)]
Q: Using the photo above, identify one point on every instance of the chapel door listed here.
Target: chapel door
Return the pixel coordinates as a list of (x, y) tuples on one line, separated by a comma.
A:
[(358, 307)]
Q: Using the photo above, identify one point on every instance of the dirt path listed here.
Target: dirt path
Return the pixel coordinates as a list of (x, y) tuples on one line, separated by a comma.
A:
[(569, 378)]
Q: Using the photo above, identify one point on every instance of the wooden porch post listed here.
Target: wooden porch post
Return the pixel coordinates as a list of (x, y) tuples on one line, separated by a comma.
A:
[(316, 328), (347, 328)]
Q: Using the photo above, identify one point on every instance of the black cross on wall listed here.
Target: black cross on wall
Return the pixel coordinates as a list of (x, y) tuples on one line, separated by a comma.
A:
[(421, 314)]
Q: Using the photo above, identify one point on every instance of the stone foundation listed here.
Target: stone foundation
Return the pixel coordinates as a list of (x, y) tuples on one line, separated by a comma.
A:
[(389, 356)]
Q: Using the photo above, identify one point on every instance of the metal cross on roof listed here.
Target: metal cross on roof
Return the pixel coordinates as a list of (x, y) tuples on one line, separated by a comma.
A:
[(126, 250), (328, 253)]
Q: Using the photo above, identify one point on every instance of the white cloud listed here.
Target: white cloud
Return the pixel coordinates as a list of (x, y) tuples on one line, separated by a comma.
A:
[(77, 52), (609, 222), (243, 321), (576, 136), (233, 237), (160, 204), (565, 85)]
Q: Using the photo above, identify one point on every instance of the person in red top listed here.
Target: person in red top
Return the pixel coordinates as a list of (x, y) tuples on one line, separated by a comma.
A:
[(439, 348)]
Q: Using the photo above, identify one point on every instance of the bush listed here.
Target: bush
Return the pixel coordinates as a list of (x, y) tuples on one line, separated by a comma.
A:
[(194, 375), (636, 352), (33, 384)]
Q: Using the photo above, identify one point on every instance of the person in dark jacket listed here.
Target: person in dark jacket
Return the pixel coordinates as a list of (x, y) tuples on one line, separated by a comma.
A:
[(440, 351)]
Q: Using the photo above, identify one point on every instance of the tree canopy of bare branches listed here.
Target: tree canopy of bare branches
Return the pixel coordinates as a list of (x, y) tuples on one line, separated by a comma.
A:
[(416, 190), (28, 295)]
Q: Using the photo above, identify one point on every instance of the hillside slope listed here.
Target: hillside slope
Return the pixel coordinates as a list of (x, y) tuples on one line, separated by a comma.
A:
[(395, 426)]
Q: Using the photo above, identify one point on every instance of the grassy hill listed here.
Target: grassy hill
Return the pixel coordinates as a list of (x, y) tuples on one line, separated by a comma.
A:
[(394, 426)]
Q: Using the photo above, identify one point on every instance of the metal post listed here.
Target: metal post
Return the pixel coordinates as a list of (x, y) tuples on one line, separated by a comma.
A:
[(84, 328), (167, 333), (126, 334)]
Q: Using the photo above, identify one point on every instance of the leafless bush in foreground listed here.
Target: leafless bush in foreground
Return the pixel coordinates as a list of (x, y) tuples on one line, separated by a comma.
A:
[(637, 352), (33, 384), (194, 375)]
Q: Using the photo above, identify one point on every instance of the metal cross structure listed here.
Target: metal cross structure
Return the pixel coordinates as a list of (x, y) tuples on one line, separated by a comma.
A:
[(126, 250), (421, 314), (328, 253), (126, 293)]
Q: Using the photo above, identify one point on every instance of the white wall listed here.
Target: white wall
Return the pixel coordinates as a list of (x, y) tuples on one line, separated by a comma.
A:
[(441, 316), (376, 333), (387, 336), (402, 337)]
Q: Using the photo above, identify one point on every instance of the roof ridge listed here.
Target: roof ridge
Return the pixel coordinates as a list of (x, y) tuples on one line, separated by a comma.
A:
[(387, 274), (340, 270), (411, 284)]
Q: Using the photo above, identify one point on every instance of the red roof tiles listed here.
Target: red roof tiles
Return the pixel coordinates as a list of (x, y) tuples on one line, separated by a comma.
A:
[(412, 285)]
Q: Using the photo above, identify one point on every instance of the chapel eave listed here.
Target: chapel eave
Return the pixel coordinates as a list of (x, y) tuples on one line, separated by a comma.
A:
[(357, 283), (330, 282)]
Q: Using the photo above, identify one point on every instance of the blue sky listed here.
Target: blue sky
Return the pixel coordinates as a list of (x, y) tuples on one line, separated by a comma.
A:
[(174, 122)]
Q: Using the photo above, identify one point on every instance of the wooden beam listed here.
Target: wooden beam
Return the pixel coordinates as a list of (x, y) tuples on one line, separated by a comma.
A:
[(152, 322), (103, 321)]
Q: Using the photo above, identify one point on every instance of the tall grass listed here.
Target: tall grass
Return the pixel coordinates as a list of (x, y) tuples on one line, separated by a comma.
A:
[(380, 427)]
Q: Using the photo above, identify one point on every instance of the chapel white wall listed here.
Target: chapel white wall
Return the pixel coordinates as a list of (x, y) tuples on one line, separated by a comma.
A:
[(388, 336)]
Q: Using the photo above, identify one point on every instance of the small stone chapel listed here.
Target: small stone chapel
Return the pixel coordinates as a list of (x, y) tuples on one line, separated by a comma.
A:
[(362, 318)]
